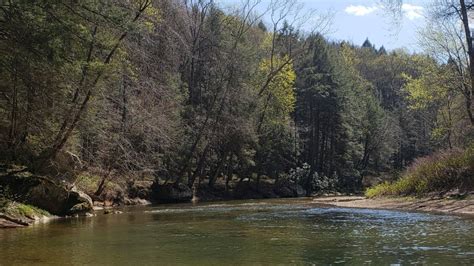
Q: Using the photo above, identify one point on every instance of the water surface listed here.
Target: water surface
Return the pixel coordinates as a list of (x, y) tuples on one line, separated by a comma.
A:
[(244, 232)]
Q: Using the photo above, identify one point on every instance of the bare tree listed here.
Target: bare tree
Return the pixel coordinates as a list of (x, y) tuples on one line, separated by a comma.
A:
[(453, 43)]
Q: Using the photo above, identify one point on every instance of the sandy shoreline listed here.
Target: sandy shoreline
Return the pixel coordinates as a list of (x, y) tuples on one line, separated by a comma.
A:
[(446, 206)]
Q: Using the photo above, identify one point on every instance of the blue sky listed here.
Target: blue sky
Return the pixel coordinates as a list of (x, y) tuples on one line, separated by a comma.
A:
[(356, 20)]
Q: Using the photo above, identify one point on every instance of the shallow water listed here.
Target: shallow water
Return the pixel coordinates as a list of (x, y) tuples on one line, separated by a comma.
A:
[(244, 232)]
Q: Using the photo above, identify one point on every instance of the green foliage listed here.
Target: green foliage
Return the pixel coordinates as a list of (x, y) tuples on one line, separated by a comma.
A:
[(182, 92), (323, 183), (440, 172), (312, 181), (280, 92), (87, 182)]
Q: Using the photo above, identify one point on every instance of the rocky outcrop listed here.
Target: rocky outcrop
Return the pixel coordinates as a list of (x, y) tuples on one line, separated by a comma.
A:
[(81, 202), (7, 221), (171, 193), (140, 189), (44, 193), (15, 214)]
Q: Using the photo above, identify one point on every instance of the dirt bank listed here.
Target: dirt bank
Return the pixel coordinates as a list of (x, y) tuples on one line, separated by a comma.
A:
[(451, 206)]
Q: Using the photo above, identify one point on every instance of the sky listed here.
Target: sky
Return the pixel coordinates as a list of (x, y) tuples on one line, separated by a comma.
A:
[(356, 20)]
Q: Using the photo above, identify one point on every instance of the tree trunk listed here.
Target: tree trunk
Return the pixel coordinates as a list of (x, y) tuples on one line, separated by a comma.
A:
[(469, 94), (68, 126), (213, 178)]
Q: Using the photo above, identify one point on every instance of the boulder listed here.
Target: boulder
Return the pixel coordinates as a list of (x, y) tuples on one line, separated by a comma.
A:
[(44, 193), (171, 193), (140, 189), (80, 201)]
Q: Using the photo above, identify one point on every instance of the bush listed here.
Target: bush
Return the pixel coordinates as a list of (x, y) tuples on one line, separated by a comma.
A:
[(87, 182), (440, 172), (313, 183), (300, 174), (324, 183)]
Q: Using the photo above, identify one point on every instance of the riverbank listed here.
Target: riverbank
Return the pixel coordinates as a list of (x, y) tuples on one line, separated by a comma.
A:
[(443, 205), (15, 214)]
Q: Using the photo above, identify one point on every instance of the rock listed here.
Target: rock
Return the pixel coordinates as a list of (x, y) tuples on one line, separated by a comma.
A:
[(44, 193), (98, 206), (136, 201), (139, 193), (7, 221), (455, 194), (114, 196), (171, 193), (140, 189), (79, 208), (111, 211), (4, 223), (82, 202)]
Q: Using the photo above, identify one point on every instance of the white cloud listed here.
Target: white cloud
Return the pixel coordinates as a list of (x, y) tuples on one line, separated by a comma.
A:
[(360, 10), (412, 12)]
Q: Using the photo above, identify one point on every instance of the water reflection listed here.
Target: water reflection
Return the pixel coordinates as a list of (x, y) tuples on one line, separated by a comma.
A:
[(245, 232)]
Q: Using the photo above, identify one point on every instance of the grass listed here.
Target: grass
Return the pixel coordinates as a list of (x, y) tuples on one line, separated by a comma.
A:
[(437, 173), (30, 211), (19, 210)]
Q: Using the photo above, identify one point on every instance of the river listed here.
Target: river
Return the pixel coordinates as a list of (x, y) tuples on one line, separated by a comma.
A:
[(279, 231)]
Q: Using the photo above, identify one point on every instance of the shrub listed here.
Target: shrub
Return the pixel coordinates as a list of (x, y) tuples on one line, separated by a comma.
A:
[(440, 172), (324, 183), (87, 182), (300, 174), (315, 182)]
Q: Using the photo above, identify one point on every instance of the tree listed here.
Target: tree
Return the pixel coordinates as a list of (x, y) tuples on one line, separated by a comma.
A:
[(453, 41), (72, 62)]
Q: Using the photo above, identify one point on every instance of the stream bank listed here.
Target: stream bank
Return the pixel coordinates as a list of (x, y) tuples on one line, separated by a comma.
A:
[(446, 205)]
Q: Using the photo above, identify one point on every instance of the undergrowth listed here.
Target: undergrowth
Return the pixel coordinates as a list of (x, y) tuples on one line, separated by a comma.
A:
[(440, 172)]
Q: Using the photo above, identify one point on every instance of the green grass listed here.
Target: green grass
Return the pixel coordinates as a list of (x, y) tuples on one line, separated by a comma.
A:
[(29, 210), (16, 209), (20, 209), (440, 172)]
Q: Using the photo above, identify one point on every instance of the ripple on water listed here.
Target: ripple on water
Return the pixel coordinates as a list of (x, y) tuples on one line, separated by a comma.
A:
[(261, 232)]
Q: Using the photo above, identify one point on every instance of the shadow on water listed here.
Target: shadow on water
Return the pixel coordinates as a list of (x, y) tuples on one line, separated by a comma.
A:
[(244, 232)]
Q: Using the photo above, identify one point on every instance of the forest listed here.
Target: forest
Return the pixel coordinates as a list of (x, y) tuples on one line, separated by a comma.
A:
[(189, 93)]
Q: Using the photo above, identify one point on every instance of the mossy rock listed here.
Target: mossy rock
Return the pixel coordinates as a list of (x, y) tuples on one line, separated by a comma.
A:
[(42, 192)]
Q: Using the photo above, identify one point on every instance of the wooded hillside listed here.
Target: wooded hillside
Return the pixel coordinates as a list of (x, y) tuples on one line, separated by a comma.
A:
[(186, 90)]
